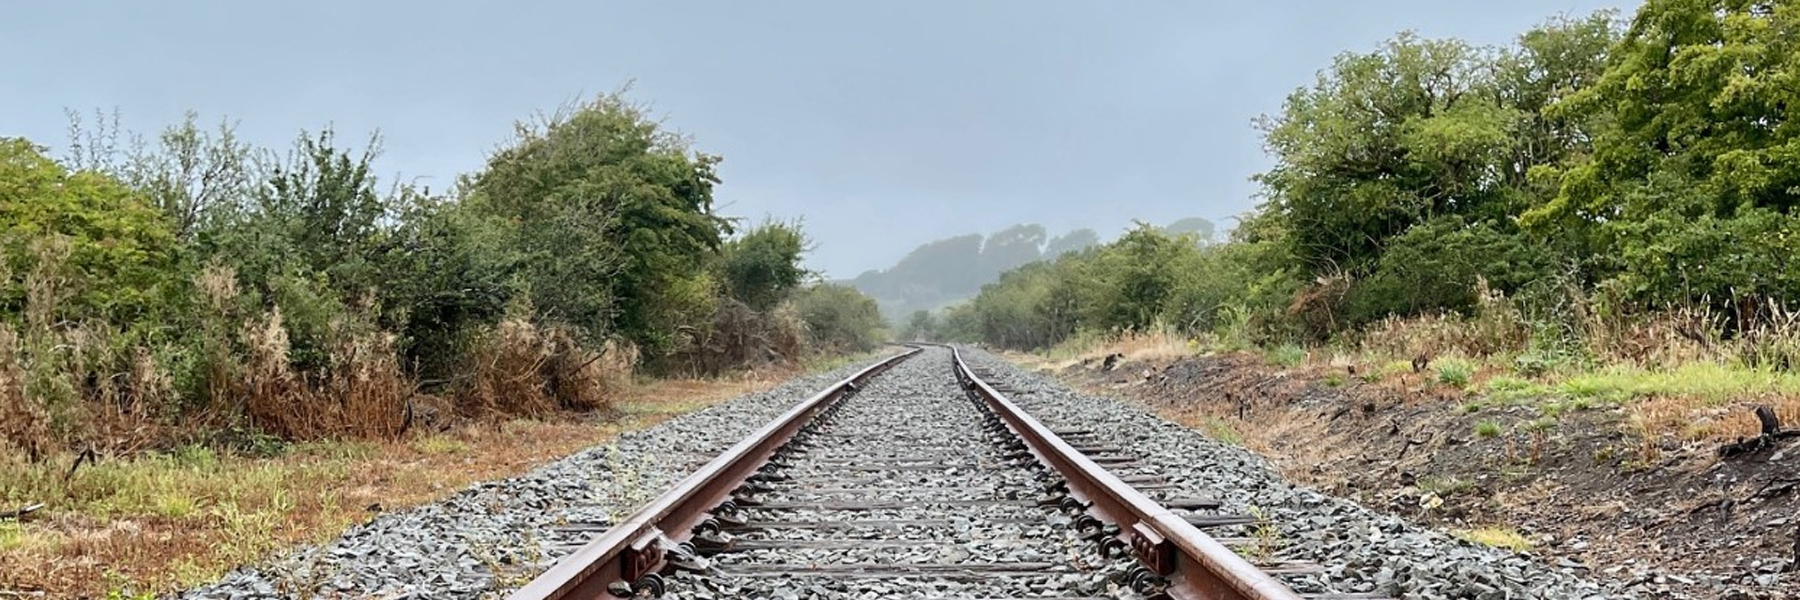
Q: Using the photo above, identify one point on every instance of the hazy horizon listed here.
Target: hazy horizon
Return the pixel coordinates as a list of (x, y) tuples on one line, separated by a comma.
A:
[(881, 126)]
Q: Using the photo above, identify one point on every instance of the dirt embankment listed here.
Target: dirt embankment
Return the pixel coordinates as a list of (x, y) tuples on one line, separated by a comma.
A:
[(1575, 487)]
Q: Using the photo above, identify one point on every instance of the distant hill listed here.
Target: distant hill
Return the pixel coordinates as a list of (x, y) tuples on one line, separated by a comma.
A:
[(943, 272)]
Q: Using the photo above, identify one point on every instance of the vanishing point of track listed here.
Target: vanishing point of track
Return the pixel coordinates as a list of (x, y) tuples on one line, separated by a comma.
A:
[(875, 489)]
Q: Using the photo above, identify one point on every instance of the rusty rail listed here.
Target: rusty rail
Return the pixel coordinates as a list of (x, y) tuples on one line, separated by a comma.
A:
[(636, 547), (1195, 566)]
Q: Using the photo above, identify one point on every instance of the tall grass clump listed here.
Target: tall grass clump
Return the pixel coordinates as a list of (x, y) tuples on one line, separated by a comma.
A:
[(519, 368)]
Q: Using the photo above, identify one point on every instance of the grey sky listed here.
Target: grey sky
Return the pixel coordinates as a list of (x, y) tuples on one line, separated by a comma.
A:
[(883, 124)]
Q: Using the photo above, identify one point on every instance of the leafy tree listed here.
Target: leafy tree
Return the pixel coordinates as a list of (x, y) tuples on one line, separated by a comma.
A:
[(1692, 129), (839, 317), (614, 217), (959, 324), (117, 243), (1132, 280), (921, 325), (1426, 128), (1247, 284), (1008, 248), (1382, 141), (191, 172), (762, 266)]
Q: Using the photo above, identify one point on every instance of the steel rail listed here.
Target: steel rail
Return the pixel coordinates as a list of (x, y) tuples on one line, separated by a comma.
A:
[(636, 546), (1196, 566)]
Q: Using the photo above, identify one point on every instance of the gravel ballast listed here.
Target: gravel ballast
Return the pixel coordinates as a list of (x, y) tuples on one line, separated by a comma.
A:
[(1362, 550), (495, 536), (901, 494)]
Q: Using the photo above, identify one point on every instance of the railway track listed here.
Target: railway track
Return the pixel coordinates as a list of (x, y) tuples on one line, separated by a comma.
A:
[(933, 484)]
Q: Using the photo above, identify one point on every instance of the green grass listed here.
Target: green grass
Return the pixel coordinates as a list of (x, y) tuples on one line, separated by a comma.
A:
[(1454, 372), (1288, 355), (11, 537), (176, 484), (1518, 390), (1487, 429), (1394, 367), (1334, 380), (1445, 486), (1712, 382), (439, 444), (1221, 430)]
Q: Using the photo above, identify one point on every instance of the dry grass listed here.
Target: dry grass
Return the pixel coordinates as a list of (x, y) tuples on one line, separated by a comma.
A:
[(1497, 328), (520, 368), (741, 337), (1498, 537), (159, 522), (1158, 344), (363, 393), (1676, 374)]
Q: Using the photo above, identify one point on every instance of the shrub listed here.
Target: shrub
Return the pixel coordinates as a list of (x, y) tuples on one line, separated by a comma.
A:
[(762, 266), (839, 318), (615, 221), (97, 248), (1447, 265)]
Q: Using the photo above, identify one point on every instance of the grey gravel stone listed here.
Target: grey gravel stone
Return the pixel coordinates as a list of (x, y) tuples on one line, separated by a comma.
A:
[(496, 535), (1362, 550)]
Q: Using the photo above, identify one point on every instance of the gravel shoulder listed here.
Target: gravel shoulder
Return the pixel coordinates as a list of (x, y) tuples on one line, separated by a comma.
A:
[(1579, 493), (1362, 550)]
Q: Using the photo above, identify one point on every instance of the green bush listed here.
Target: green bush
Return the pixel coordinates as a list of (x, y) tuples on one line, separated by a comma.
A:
[(615, 221), (837, 317), (762, 266), (1438, 265), (115, 246)]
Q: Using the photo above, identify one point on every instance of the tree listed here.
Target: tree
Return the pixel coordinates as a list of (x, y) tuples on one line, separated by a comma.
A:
[(1381, 142), (1692, 128), (191, 172), (615, 219), (839, 318), (1008, 248), (919, 326), (117, 244), (762, 266)]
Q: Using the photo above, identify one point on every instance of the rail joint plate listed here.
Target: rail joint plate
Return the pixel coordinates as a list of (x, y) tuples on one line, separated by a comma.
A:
[(1152, 548)]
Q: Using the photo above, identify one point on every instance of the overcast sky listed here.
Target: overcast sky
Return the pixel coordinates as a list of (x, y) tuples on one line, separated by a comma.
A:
[(882, 124)]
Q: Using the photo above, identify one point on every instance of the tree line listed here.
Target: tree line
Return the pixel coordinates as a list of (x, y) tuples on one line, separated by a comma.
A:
[(193, 288), (1596, 169)]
